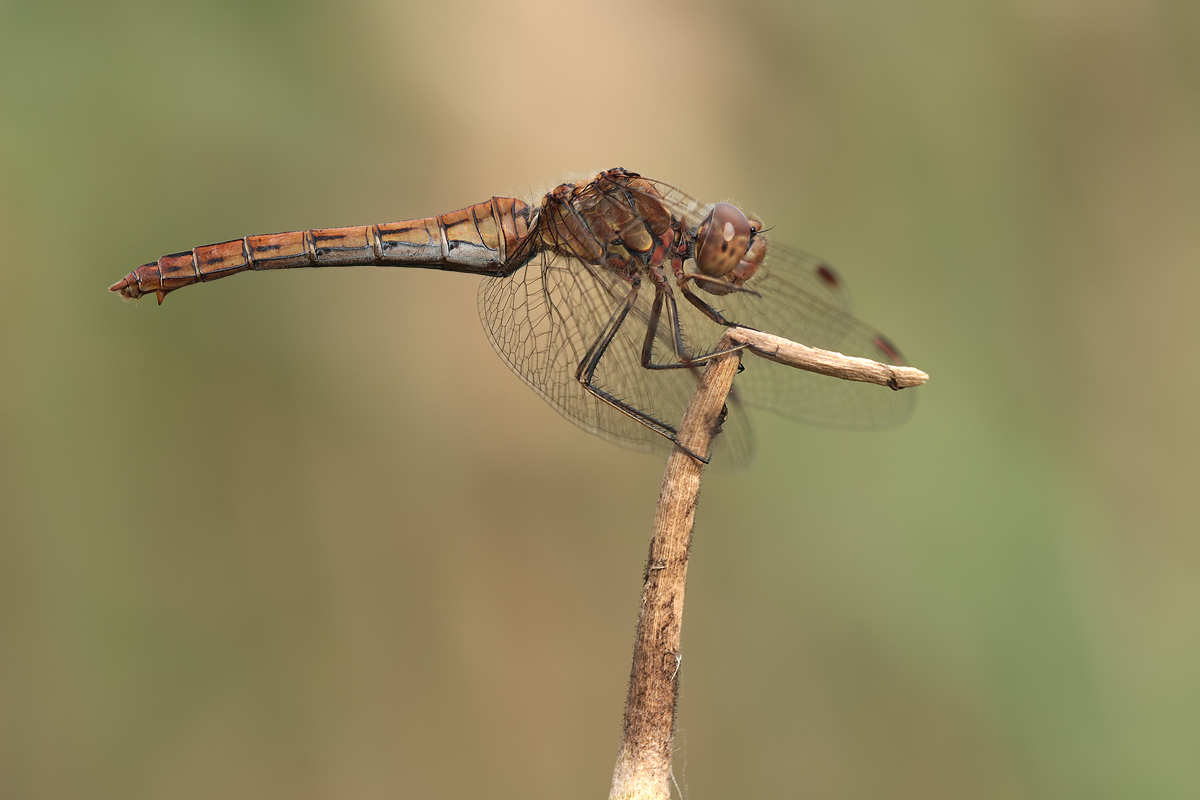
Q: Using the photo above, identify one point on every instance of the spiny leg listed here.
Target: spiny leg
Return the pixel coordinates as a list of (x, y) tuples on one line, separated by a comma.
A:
[(715, 283), (587, 371), (652, 323), (704, 307), (685, 361), (591, 359)]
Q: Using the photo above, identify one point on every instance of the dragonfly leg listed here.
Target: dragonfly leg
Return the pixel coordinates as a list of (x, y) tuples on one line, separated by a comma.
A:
[(591, 361), (652, 325), (723, 287), (685, 361), (704, 307)]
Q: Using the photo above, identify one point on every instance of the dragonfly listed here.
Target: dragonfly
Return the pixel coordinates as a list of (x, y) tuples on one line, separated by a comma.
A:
[(607, 297)]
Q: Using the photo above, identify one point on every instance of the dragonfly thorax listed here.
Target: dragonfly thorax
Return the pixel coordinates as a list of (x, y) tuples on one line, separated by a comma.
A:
[(616, 219)]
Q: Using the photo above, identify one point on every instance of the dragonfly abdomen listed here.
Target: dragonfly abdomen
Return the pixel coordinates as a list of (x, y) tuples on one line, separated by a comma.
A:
[(476, 239)]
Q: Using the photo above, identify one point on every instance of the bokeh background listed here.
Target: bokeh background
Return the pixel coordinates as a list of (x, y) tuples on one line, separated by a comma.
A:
[(303, 535)]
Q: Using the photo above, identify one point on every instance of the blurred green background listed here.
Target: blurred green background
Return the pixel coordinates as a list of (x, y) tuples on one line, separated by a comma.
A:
[(275, 540)]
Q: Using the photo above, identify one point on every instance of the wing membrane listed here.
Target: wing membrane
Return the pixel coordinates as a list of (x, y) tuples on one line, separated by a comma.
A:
[(543, 319)]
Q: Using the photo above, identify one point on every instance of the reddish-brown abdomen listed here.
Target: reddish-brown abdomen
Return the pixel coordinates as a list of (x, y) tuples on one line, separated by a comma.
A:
[(475, 239), (279, 250)]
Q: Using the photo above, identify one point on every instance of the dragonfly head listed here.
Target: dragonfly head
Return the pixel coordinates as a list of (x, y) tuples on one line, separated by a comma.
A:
[(722, 239), (728, 248)]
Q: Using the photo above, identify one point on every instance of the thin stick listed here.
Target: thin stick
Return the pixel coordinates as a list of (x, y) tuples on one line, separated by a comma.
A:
[(826, 362), (644, 761)]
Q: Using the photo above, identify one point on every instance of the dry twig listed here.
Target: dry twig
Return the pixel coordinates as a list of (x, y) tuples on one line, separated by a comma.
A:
[(644, 761)]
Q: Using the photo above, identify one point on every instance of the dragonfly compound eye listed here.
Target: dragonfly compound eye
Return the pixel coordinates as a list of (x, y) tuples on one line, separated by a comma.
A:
[(722, 240)]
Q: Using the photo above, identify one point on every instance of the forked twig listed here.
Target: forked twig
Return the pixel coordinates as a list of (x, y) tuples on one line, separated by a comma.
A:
[(644, 761)]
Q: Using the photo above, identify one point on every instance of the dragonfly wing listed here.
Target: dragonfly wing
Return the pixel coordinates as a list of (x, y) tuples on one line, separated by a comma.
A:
[(544, 318)]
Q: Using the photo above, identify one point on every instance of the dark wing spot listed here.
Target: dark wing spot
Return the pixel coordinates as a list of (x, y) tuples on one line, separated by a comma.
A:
[(888, 349), (826, 274)]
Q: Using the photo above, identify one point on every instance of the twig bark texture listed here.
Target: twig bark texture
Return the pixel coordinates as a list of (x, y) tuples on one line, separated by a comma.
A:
[(644, 762)]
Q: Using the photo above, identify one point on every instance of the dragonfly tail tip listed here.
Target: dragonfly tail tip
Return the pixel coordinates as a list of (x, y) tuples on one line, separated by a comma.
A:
[(125, 287)]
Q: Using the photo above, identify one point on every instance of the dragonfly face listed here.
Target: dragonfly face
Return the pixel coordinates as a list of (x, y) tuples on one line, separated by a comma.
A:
[(722, 240), (728, 249)]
